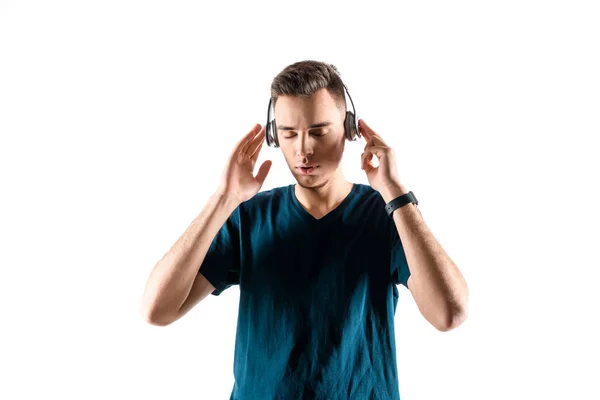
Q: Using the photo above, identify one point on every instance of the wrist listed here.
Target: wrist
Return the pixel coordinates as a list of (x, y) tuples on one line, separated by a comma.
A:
[(391, 192), (228, 201)]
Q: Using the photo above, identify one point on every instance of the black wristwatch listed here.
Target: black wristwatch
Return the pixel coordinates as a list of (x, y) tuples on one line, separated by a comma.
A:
[(400, 201)]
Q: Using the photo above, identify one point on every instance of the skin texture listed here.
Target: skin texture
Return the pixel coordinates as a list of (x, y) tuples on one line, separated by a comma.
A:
[(436, 283), (327, 187), (437, 286)]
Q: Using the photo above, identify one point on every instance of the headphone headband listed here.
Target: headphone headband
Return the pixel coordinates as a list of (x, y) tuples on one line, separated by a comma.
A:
[(350, 123)]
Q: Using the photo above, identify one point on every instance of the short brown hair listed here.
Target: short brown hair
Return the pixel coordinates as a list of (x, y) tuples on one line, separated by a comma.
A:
[(304, 78)]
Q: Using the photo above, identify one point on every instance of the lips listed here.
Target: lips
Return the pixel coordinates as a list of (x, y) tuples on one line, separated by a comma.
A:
[(307, 170)]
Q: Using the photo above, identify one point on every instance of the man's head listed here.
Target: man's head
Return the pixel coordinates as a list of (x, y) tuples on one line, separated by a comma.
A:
[(310, 107)]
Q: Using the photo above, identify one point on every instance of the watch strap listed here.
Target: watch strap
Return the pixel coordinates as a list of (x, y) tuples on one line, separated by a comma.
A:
[(400, 201)]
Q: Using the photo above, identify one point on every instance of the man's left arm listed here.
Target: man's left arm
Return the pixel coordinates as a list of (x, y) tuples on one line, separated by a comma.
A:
[(437, 285)]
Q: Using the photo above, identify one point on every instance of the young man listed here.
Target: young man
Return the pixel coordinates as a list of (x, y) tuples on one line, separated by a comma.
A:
[(317, 261)]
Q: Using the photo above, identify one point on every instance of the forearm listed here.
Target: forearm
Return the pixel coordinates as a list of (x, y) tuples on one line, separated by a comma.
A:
[(171, 280), (436, 280)]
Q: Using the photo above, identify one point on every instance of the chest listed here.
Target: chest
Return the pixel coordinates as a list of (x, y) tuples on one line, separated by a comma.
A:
[(317, 264)]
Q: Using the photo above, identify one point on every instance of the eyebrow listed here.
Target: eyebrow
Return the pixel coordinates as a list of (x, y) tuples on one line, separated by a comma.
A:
[(319, 125)]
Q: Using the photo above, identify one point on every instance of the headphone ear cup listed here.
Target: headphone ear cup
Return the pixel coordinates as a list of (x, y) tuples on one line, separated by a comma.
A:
[(350, 126), (267, 132), (274, 133)]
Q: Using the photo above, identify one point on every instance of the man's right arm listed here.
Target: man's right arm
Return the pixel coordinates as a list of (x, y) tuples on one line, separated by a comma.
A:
[(174, 285)]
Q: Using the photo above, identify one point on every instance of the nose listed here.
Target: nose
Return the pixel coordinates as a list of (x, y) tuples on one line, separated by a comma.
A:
[(303, 147)]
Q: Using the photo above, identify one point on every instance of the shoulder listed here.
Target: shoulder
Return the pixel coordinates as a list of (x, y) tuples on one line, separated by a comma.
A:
[(370, 208), (369, 197), (264, 198), (365, 189)]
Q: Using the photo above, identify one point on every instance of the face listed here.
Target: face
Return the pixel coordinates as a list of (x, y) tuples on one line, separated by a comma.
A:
[(311, 132)]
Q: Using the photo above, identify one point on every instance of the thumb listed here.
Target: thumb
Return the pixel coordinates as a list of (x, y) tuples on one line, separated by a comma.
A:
[(263, 171)]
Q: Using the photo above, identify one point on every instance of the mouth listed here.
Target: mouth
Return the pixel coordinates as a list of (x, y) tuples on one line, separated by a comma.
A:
[(307, 170)]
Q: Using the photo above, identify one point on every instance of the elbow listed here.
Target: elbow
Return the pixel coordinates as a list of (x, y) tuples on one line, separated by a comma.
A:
[(455, 312), (152, 317), (453, 319), (156, 321)]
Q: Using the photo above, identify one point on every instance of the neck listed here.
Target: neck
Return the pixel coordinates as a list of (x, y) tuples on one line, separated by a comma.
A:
[(326, 197)]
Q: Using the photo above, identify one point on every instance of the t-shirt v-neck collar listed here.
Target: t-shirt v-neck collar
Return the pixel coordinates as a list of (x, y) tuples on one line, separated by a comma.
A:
[(327, 217)]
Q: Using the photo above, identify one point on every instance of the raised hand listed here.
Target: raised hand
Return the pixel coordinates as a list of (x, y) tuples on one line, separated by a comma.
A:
[(238, 181), (384, 177)]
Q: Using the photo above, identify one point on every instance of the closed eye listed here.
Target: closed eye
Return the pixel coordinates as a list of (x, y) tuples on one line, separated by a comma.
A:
[(314, 134)]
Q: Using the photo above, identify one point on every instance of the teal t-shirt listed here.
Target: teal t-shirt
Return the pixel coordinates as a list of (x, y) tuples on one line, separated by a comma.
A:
[(317, 296)]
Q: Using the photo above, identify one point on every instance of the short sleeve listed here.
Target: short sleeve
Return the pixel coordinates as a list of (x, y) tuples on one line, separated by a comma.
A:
[(221, 265), (399, 265)]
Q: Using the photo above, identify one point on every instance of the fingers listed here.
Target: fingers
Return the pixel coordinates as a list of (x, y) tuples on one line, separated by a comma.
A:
[(367, 162), (243, 143), (363, 130), (367, 156), (256, 144), (374, 142), (379, 151), (366, 128), (263, 171), (369, 133)]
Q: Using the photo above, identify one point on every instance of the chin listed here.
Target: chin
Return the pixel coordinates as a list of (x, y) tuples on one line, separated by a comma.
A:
[(311, 183)]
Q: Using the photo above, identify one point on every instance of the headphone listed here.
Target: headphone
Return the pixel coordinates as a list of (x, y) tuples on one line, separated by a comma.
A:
[(350, 124)]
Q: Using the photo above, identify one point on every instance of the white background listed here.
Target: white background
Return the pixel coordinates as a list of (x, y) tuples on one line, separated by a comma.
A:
[(116, 118)]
